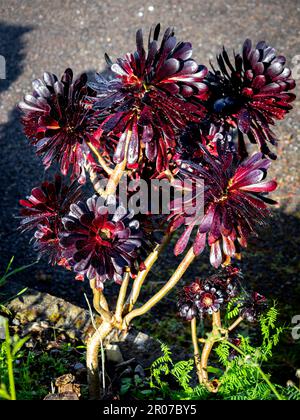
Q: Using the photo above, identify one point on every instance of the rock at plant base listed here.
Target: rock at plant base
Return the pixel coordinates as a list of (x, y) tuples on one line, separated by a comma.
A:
[(67, 389), (143, 348), (36, 310), (62, 396)]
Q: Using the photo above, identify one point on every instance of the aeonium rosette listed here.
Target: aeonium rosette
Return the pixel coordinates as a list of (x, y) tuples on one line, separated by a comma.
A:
[(234, 204), (251, 92), (205, 296), (152, 98), (100, 244), (58, 123), (43, 211)]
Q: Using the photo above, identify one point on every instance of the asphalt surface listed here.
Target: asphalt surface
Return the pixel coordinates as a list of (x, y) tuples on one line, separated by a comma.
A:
[(40, 35)]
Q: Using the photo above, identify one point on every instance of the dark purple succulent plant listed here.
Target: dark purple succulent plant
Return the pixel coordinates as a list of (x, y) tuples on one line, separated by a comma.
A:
[(251, 93), (46, 242), (153, 96), (207, 296), (209, 299), (227, 280), (253, 306), (186, 301), (57, 122), (187, 309), (100, 245), (235, 203), (43, 210), (233, 354)]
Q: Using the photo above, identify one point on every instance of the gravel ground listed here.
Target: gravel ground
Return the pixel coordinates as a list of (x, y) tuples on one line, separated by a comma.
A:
[(41, 35)]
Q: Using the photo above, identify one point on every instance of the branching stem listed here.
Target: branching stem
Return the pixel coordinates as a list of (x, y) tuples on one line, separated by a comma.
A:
[(122, 296), (149, 262), (175, 278), (100, 303), (207, 348), (100, 159), (196, 349), (118, 172)]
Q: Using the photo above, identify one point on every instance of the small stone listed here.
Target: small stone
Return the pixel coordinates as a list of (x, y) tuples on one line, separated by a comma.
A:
[(78, 366), (33, 327), (54, 352), (113, 353), (141, 339), (139, 371), (52, 345), (290, 383), (2, 328)]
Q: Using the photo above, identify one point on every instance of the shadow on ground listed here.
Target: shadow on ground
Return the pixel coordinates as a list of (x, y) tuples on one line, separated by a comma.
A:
[(12, 48)]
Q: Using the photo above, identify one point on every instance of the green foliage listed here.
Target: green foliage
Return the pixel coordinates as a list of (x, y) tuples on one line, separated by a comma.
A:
[(137, 387), (161, 366), (232, 309), (35, 373), (164, 371), (3, 279), (292, 392), (9, 352), (241, 377)]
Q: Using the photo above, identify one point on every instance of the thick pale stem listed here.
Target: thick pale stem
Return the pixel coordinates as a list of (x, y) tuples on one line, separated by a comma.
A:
[(93, 346), (114, 179), (207, 348), (122, 296), (235, 324), (196, 349), (106, 327), (94, 179), (100, 303), (118, 172), (217, 324), (100, 159), (176, 277), (149, 262)]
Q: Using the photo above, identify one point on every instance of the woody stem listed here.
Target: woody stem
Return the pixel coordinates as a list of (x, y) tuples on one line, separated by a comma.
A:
[(235, 323), (196, 349), (207, 348), (118, 172), (175, 278), (100, 159), (99, 302), (92, 361), (139, 281), (122, 296)]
